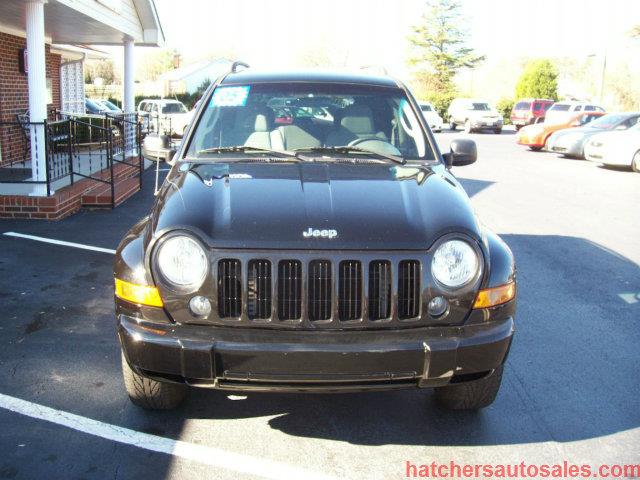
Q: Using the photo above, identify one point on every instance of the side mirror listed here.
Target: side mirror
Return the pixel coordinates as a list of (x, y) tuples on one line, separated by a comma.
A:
[(157, 147), (463, 152)]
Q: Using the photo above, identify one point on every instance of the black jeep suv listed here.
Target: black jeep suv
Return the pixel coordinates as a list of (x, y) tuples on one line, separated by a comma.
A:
[(310, 237)]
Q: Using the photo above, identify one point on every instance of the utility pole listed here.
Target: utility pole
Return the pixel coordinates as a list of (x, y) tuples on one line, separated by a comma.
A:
[(602, 76)]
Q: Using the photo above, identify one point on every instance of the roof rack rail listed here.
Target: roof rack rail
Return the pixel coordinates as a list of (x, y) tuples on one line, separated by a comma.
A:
[(235, 65), (380, 68)]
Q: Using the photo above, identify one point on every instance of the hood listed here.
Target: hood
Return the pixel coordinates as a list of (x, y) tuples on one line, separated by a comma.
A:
[(314, 205), (632, 136), (577, 130)]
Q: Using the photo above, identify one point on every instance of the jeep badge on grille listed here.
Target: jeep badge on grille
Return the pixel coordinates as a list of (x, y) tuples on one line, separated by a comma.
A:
[(315, 233)]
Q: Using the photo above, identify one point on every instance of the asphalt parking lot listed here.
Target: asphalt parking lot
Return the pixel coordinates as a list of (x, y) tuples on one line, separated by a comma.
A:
[(571, 389)]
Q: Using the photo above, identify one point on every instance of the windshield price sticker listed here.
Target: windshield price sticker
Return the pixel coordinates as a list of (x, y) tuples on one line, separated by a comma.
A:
[(230, 96)]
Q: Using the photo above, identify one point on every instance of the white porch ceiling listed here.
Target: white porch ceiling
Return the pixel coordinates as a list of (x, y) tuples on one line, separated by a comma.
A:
[(88, 22)]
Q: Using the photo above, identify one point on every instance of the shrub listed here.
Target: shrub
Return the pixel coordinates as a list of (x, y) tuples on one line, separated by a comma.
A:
[(539, 80), (441, 102), (504, 107)]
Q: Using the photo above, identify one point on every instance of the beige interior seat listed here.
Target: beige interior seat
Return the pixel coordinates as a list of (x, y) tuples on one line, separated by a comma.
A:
[(262, 125), (357, 122), (292, 137)]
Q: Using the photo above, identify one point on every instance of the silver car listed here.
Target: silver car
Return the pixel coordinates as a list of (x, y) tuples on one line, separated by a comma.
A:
[(570, 142)]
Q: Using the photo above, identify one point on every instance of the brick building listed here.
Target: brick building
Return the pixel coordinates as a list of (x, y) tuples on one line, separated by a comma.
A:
[(42, 48)]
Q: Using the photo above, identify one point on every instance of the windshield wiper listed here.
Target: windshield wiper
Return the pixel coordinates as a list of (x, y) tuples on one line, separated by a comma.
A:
[(350, 149), (249, 149)]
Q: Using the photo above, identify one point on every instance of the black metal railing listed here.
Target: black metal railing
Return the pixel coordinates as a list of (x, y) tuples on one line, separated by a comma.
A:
[(85, 146)]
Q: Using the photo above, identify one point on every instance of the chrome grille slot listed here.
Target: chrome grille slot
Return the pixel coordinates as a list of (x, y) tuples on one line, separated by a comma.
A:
[(229, 288), (379, 290), (319, 290), (350, 290), (408, 289), (259, 289), (289, 290)]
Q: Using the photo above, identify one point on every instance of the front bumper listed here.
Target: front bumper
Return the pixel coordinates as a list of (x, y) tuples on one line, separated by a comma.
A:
[(488, 124), (521, 121), (436, 124), (571, 148), (599, 154), (279, 360)]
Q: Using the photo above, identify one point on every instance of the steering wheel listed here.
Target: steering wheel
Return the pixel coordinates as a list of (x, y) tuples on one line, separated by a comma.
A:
[(376, 145)]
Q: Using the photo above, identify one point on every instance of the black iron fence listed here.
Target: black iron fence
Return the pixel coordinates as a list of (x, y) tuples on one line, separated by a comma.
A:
[(73, 146)]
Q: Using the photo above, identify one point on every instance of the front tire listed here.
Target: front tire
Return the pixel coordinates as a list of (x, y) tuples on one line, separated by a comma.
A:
[(535, 148), (635, 163), (497, 131), (151, 394), (452, 125), (467, 127), (472, 395)]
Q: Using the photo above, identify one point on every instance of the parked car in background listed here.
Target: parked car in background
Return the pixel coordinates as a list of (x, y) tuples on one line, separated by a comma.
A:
[(474, 115), (535, 136), (93, 107), (168, 117), (431, 116), (142, 105), (562, 111), (615, 148), (570, 142), (528, 111), (110, 106)]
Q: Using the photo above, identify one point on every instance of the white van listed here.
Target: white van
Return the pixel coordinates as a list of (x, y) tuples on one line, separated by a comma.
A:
[(474, 115), (169, 117), (562, 111), (431, 116)]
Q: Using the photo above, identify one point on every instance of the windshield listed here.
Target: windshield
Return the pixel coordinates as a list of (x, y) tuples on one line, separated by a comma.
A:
[(110, 105), (91, 105), (298, 116), (560, 107), (173, 108), (608, 122), (523, 106), (480, 106), (426, 108)]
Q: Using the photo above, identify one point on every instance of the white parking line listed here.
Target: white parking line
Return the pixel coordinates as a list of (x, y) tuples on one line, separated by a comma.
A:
[(211, 456), (60, 242)]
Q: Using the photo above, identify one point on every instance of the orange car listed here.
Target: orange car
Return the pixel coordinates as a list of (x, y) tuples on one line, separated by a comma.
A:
[(535, 136)]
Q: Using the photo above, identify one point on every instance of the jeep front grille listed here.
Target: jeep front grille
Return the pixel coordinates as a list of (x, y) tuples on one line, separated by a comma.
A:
[(289, 290), (229, 288), (329, 291), (408, 289), (320, 290), (350, 290), (379, 290), (259, 289)]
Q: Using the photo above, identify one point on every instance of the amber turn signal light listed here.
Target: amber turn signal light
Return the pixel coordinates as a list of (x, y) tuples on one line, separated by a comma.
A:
[(138, 294), (491, 297)]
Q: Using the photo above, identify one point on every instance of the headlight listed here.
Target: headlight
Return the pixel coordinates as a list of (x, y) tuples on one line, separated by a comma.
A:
[(182, 261), (455, 263)]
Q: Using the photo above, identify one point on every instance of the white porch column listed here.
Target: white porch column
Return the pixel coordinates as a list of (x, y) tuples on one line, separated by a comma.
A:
[(37, 79), (128, 95)]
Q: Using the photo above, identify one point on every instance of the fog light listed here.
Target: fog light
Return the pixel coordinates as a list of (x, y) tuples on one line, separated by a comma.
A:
[(438, 306), (200, 306)]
